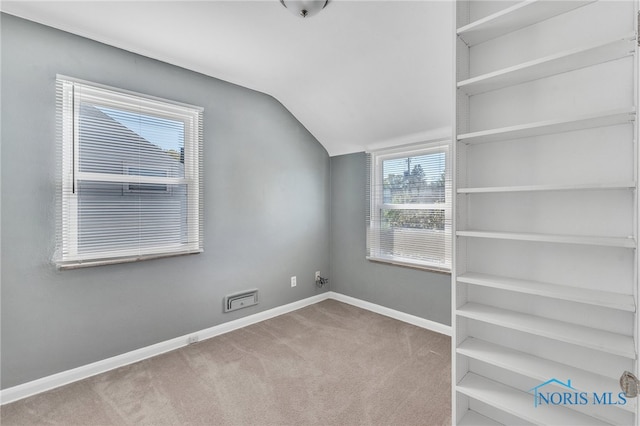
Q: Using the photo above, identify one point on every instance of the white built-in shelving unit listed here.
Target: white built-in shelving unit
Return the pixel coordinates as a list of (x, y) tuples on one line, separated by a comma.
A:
[(546, 215)]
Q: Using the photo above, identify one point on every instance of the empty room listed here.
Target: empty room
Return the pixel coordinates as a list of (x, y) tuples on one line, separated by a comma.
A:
[(341, 212)]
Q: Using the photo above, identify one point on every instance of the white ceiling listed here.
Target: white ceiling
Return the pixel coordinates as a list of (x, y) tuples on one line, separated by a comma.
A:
[(359, 75)]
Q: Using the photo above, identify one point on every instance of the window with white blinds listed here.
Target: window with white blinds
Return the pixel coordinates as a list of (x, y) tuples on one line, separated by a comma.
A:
[(130, 176), (409, 206)]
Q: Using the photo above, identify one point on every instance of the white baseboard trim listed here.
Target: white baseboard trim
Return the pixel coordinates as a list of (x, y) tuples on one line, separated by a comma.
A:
[(401, 316), (65, 377)]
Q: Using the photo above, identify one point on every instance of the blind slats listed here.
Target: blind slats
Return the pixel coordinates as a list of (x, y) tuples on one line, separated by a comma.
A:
[(409, 206), (130, 171)]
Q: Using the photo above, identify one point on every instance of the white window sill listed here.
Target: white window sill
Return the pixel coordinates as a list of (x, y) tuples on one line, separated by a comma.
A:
[(77, 264)]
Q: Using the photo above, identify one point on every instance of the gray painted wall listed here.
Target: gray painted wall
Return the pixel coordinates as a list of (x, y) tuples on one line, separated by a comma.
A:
[(417, 292), (266, 212)]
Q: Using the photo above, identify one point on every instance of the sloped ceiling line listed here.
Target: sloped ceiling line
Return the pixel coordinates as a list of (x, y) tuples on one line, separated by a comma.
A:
[(358, 75)]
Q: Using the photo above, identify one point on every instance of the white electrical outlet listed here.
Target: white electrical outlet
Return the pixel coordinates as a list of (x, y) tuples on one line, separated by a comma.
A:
[(317, 275), (293, 282)]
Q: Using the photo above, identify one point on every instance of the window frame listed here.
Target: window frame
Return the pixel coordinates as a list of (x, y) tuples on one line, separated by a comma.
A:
[(376, 204), (126, 187), (67, 255)]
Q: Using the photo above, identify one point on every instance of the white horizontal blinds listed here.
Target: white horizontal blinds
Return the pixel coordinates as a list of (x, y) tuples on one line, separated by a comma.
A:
[(132, 170), (65, 185), (371, 234), (410, 219)]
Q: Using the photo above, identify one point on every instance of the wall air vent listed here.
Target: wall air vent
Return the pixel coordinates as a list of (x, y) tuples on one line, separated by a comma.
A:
[(233, 302)]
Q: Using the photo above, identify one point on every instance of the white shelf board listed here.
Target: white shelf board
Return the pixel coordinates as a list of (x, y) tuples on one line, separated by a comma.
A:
[(623, 302), (513, 18), (471, 418), (622, 242), (539, 368), (550, 65), (588, 121), (519, 403), (542, 188), (588, 337)]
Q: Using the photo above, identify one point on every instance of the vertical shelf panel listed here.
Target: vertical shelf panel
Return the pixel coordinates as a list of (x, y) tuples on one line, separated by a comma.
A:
[(542, 216)]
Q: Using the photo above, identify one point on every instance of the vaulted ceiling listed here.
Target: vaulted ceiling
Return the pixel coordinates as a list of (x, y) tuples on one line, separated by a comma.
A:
[(359, 75)]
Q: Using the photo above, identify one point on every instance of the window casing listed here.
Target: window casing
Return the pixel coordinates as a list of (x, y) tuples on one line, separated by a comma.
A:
[(409, 206), (130, 176)]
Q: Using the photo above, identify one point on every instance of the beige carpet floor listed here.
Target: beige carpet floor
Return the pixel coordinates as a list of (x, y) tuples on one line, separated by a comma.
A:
[(326, 364)]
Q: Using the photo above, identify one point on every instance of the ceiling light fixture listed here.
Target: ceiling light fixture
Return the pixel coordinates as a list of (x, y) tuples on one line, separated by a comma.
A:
[(304, 8)]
